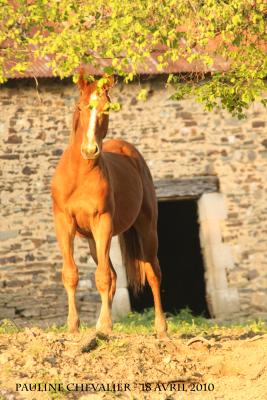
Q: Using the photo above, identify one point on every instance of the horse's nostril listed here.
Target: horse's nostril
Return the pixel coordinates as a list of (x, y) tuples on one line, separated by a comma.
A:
[(95, 150), (89, 151)]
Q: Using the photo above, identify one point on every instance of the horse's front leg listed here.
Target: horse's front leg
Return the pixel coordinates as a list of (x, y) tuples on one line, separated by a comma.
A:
[(104, 275), (112, 291), (65, 231)]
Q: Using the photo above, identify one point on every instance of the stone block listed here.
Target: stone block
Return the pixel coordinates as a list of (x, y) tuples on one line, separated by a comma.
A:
[(33, 312), (121, 303), (5, 235), (225, 302), (222, 256), (6, 313), (259, 300), (85, 284), (115, 252), (212, 206), (210, 233), (115, 255), (258, 124), (252, 274), (219, 279)]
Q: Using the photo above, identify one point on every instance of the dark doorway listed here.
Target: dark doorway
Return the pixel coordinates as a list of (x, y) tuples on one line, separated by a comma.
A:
[(180, 258)]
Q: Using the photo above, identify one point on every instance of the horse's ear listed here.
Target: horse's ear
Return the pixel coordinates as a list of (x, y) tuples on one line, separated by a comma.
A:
[(110, 81), (82, 82)]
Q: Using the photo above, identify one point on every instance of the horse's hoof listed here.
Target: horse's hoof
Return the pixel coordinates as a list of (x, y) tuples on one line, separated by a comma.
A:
[(73, 326), (104, 329), (162, 335), (161, 328), (73, 330)]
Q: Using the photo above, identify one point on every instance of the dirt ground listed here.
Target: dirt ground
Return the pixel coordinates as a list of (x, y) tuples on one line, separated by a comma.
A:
[(230, 367)]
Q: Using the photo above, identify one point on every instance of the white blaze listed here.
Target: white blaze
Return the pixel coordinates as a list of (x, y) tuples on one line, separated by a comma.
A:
[(92, 121)]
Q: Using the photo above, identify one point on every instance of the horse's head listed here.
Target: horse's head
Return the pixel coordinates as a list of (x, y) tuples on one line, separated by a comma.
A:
[(92, 116)]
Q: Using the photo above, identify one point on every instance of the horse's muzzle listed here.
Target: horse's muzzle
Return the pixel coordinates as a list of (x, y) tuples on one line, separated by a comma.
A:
[(90, 152)]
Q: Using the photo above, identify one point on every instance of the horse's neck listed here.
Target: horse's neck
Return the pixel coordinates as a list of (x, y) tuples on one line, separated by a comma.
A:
[(75, 139)]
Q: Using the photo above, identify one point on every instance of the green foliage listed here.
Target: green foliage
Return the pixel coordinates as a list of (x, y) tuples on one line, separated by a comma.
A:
[(8, 326), (64, 328), (126, 34), (183, 323), (187, 325), (142, 95)]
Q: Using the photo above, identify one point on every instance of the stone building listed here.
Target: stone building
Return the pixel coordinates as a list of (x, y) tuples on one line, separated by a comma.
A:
[(210, 174)]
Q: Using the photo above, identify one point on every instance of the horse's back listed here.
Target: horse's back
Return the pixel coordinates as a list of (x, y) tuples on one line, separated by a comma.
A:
[(129, 153), (121, 147)]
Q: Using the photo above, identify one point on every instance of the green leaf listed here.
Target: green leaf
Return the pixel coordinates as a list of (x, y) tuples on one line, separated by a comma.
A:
[(122, 38), (142, 95)]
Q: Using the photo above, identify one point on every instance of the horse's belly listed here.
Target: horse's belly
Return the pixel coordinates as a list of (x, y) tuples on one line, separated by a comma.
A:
[(125, 216), (127, 204)]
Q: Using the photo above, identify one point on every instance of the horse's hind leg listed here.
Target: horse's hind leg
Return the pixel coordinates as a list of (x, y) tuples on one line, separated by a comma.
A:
[(65, 231), (153, 275), (149, 243)]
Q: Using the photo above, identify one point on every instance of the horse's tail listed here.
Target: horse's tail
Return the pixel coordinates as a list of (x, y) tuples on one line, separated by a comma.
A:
[(132, 258)]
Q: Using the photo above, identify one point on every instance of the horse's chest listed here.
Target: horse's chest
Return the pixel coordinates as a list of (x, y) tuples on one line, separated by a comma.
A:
[(83, 220), (85, 207)]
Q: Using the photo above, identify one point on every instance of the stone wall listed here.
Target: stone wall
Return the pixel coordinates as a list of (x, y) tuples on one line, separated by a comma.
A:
[(178, 140)]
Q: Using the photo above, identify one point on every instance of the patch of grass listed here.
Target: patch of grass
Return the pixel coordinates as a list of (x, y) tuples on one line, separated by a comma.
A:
[(57, 328), (8, 326), (64, 328), (186, 324), (183, 323), (136, 322), (116, 346)]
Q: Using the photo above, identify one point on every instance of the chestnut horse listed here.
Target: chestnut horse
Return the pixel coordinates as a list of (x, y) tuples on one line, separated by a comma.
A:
[(100, 190)]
